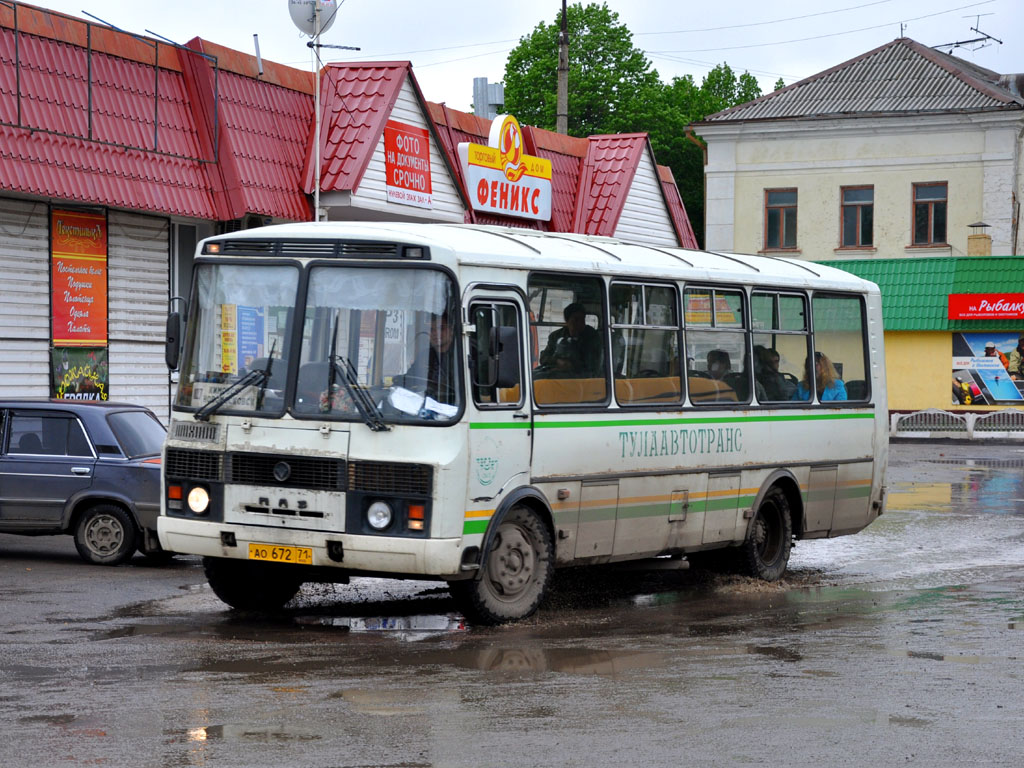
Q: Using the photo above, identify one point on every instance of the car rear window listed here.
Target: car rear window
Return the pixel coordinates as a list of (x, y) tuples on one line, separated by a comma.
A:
[(138, 432)]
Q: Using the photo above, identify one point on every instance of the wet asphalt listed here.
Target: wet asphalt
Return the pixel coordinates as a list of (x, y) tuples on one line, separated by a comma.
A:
[(902, 645)]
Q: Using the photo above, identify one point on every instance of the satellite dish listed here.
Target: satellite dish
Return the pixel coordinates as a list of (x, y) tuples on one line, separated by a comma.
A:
[(303, 14)]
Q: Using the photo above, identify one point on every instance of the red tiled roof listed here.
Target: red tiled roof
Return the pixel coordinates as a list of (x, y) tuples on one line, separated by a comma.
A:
[(608, 171), (264, 129), (119, 158), (676, 208), (356, 100)]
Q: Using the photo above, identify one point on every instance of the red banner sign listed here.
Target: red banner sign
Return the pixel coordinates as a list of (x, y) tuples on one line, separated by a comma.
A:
[(986, 306), (78, 279), (407, 164)]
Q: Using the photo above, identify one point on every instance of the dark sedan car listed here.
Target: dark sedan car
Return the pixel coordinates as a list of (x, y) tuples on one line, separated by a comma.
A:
[(90, 469)]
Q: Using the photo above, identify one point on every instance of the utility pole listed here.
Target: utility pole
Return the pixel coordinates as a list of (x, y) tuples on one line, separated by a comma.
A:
[(562, 105)]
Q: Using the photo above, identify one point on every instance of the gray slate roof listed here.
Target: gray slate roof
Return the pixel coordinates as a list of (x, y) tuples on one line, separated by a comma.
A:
[(900, 77)]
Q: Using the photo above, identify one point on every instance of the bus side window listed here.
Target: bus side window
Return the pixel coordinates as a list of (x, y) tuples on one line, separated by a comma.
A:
[(572, 332), (840, 339)]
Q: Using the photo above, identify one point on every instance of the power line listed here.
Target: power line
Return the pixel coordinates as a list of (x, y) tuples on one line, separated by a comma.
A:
[(821, 37), (763, 23)]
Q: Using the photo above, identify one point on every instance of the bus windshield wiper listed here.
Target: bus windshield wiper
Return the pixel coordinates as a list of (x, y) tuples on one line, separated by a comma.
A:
[(257, 376), (339, 364), (364, 403)]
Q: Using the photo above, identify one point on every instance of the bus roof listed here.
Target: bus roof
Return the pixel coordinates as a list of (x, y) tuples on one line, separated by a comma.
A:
[(515, 248)]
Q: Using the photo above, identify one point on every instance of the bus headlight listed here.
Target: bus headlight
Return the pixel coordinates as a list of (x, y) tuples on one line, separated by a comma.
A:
[(379, 515), (198, 500)]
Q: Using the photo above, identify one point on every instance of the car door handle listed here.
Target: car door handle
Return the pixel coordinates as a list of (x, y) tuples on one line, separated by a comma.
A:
[(80, 470), (520, 415)]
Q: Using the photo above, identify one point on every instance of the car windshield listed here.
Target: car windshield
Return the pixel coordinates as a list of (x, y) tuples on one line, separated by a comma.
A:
[(138, 433), (237, 339), (379, 343)]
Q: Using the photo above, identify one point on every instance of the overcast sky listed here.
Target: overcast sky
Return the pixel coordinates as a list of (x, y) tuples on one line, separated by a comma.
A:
[(450, 41)]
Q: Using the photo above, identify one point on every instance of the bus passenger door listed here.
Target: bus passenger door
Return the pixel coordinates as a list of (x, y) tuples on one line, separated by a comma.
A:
[(498, 412)]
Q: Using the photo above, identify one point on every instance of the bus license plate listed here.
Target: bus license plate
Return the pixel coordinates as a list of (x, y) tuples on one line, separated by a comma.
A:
[(274, 554)]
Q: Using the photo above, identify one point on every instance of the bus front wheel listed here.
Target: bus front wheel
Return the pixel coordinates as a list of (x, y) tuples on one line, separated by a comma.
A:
[(250, 586), (515, 574), (765, 553)]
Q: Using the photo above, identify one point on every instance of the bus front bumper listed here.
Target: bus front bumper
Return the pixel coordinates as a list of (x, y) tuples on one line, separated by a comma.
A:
[(438, 558)]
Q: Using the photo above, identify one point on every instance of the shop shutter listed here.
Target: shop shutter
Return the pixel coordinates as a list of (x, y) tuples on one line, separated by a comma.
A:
[(24, 299), (138, 250)]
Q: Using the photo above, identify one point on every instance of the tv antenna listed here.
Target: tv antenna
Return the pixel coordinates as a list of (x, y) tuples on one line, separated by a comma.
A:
[(978, 42), (313, 18)]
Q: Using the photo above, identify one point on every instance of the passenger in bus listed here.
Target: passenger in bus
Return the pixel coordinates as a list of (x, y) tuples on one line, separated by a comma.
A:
[(719, 363), (573, 351), (435, 369), (776, 385), (829, 385)]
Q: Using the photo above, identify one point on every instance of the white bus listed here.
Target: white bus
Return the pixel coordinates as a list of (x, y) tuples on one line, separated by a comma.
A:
[(481, 405)]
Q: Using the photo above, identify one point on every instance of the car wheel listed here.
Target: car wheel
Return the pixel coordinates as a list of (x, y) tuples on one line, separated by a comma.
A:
[(250, 586), (105, 535)]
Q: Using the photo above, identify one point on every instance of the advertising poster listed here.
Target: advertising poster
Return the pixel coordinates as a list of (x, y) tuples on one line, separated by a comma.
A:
[(407, 164), (78, 279), (250, 335), (979, 369), (79, 373)]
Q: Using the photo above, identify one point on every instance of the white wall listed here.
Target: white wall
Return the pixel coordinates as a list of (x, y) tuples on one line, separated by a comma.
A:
[(978, 158)]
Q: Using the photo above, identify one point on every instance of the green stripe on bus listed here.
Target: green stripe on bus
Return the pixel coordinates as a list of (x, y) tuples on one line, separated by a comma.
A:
[(669, 422), (699, 420), (474, 526)]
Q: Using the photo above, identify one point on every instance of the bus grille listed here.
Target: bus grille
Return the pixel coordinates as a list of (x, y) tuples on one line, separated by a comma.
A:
[(314, 473), (384, 477), (311, 472), (195, 465)]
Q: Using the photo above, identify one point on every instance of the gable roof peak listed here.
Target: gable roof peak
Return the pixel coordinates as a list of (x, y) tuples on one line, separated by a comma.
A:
[(900, 77)]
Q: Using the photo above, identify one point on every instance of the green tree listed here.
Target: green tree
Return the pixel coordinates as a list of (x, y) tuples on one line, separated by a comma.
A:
[(779, 84), (607, 73), (614, 89)]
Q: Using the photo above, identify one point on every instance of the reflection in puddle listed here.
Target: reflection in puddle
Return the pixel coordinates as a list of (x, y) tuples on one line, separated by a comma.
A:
[(234, 732), (532, 658), (404, 627)]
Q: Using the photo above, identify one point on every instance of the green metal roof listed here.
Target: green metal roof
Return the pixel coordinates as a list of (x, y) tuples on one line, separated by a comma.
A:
[(915, 292)]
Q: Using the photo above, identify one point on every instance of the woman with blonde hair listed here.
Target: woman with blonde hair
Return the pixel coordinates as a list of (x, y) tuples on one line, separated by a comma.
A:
[(829, 385)]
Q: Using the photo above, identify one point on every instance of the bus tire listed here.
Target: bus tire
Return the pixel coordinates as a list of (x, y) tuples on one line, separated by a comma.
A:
[(105, 535), (765, 553), (515, 574), (249, 586)]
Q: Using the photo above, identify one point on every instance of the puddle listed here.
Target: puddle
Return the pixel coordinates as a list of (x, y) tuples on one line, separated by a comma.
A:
[(415, 627), (275, 734)]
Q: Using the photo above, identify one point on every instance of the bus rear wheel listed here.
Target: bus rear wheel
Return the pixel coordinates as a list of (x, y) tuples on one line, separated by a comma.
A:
[(515, 574), (250, 586), (765, 553)]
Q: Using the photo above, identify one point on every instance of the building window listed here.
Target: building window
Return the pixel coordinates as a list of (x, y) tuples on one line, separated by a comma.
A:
[(857, 217), (930, 214), (779, 218)]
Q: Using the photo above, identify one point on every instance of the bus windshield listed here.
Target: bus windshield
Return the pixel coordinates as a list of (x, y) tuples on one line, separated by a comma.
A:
[(239, 322), (377, 344), (388, 335)]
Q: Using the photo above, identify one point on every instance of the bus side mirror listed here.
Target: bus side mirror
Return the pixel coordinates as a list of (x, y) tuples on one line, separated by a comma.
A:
[(172, 348), (505, 354)]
